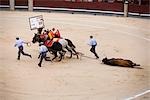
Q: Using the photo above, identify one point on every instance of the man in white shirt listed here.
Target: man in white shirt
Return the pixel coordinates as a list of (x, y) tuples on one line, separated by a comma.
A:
[(19, 43), (43, 51), (93, 44)]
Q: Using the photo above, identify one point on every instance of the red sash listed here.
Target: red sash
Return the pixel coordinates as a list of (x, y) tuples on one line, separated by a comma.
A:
[(48, 43)]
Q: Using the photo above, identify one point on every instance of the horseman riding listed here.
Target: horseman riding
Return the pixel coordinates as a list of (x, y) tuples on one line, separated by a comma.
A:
[(55, 35), (49, 38)]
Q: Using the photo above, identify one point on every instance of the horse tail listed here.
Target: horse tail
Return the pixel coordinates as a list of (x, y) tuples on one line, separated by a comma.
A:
[(70, 43)]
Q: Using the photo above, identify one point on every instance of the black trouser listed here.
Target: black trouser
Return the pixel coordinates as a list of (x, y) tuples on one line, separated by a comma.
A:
[(93, 50), (43, 56), (21, 51)]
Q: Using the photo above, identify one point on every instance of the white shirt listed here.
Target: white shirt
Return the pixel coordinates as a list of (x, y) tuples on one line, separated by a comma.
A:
[(43, 48), (92, 42), (19, 43)]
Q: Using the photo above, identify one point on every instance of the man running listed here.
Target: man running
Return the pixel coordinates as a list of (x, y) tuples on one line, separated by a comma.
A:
[(19, 43), (93, 44), (43, 51)]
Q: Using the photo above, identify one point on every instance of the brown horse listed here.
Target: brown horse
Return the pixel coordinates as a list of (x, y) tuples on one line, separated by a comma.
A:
[(119, 62)]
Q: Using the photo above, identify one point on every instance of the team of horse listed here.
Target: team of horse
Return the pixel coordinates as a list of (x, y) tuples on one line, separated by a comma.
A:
[(60, 45), (55, 45)]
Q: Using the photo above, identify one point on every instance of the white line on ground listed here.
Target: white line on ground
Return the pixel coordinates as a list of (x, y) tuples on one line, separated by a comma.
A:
[(138, 95)]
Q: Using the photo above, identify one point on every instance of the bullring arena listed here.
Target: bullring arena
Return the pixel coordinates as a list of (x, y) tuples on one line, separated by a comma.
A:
[(75, 79)]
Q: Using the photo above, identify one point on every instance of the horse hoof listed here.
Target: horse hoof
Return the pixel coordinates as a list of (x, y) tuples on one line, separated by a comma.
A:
[(39, 65)]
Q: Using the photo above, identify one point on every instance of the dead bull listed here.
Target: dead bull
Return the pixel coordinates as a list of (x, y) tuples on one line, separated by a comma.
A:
[(119, 62)]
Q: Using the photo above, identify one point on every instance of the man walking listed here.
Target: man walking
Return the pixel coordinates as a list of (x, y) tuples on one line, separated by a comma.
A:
[(93, 44), (43, 51), (19, 43)]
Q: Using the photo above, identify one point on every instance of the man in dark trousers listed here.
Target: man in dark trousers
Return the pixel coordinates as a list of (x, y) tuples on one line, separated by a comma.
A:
[(93, 44), (43, 51), (19, 43)]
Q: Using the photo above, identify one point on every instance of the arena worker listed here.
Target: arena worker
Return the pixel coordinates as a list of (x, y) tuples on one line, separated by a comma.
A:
[(93, 43), (19, 43), (43, 52)]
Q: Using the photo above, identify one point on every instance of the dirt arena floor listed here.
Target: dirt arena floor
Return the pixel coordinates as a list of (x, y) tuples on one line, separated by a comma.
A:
[(75, 79)]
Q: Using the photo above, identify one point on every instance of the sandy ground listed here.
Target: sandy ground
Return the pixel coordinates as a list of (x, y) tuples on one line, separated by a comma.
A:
[(75, 79)]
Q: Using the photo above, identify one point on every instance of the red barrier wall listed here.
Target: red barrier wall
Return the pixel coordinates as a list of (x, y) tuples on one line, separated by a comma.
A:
[(4, 2), (21, 2), (139, 8), (17, 2), (116, 6), (80, 5)]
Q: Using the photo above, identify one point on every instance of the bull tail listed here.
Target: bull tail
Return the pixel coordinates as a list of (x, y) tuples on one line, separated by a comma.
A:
[(137, 64)]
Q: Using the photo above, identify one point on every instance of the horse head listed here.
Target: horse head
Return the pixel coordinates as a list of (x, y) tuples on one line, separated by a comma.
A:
[(36, 38), (39, 38), (39, 30)]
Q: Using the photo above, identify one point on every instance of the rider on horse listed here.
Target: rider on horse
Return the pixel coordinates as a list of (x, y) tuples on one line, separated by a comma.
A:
[(50, 36), (56, 33)]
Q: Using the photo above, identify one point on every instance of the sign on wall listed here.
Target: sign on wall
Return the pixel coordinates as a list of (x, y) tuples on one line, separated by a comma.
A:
[(36, 22)]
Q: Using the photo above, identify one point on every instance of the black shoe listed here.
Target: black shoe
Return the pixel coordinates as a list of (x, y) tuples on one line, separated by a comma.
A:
[(97, 57), (30, 56), (39, 65), (18, 58)]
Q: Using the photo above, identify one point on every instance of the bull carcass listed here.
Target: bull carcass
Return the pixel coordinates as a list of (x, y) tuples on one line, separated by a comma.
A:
[(119, 62)]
